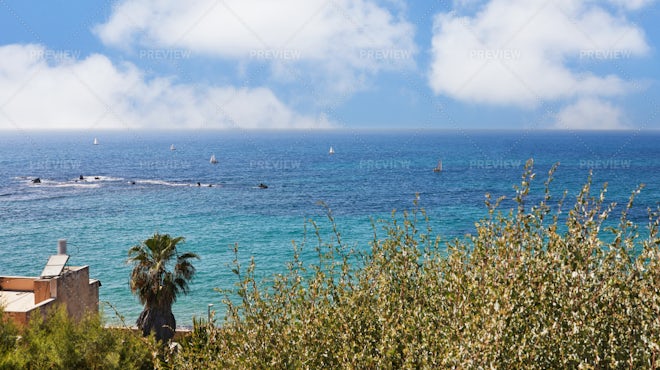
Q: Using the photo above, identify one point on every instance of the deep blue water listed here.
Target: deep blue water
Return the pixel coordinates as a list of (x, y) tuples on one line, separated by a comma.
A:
[(143, 187)]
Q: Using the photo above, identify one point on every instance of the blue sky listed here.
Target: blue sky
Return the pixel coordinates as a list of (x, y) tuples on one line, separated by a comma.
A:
[(316, 64)]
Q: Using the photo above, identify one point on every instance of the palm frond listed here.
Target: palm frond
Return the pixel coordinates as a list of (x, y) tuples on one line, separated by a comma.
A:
[(155, 285)]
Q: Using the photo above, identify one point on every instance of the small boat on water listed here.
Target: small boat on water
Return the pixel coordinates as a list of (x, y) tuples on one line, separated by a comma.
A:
[(172, 147), (213, 160), (438, 168), (331, 151), (96, 141)]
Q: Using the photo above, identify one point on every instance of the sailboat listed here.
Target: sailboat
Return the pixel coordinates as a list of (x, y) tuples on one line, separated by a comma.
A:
[(172, 147), (213, 160), (96, 141), (438, 168), (331, 151)]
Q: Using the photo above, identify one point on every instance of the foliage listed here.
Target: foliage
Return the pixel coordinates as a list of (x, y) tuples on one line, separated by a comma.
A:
[(60, 343), (8, 332), (535, 287), (156, 284)]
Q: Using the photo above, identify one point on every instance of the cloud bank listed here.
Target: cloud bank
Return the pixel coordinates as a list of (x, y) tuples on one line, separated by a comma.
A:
[(337, 44), (589, 114), (527, 53), (41, 89)]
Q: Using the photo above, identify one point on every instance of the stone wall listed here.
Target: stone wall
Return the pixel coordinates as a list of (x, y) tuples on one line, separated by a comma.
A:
[(77, 292)]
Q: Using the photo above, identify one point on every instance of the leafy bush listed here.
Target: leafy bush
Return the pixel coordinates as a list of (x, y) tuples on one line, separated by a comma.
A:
[(60, 343), (8, 333), (533, 288)]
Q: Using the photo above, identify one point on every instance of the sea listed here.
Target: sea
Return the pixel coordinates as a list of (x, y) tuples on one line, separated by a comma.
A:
[(136, 183)]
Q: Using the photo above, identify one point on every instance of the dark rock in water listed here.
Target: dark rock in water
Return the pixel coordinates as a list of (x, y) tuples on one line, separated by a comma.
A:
[(96, 178), (81, 177), (36, 181)]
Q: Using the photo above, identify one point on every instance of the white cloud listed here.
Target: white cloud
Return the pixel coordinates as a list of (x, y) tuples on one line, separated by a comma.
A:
[(529, 53), (40, 90), (591, 114), (632, 4), (334, 42), (518, 52)]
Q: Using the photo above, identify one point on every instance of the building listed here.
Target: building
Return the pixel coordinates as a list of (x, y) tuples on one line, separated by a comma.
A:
[(23, 297)]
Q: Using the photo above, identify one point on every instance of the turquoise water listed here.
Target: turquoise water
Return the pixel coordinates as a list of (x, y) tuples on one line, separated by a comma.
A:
[(143, 187)]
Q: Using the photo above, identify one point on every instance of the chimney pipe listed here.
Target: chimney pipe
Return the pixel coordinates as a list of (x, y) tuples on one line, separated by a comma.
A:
[(61, 246)]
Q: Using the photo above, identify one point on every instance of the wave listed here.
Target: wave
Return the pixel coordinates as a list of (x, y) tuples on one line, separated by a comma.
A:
[(73, 185), (173, 184), (160, 182), (89, 182), (100, 179), (56, 183)]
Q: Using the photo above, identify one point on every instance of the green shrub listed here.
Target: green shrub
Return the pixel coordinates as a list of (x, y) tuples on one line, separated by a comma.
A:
[(535, 287), (60, 343), (8, 333)]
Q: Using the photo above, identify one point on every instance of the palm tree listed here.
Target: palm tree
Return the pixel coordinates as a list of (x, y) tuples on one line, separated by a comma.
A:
[(157, 287)]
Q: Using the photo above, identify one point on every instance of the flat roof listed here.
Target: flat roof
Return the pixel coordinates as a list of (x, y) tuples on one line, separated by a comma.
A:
[(17, 301), (23, 301)]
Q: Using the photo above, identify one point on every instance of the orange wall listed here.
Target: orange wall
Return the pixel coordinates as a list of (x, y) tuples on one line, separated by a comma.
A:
[(17, 283)]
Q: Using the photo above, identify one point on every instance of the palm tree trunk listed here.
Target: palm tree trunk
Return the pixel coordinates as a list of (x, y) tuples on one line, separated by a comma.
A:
[(160, 321)]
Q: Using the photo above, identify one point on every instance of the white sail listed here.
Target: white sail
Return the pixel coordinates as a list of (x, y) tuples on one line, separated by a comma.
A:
[(96, 141), (213, 160), (332, 150), (438, 168), (172, 147)]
